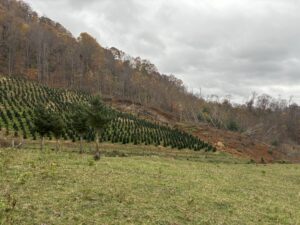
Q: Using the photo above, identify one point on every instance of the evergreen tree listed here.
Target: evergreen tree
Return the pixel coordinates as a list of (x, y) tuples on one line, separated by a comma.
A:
[(99, 117), (57, 127), (80, 122), (42, 122)]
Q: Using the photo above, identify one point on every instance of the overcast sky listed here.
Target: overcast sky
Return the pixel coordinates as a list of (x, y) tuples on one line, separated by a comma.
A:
[(224, 47)]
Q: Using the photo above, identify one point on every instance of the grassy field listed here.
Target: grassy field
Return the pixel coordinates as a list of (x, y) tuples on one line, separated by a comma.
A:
[(67, 188)]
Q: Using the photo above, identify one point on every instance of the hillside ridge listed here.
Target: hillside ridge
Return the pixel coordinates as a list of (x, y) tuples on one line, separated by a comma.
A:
[(20, 98), (37, 48)]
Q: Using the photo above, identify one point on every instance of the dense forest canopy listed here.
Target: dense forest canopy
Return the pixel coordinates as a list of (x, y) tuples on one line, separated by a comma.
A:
[(40, 49), (43, 50)]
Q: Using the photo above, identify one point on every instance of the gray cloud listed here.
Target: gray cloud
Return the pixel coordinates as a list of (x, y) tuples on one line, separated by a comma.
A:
[(223, 47)]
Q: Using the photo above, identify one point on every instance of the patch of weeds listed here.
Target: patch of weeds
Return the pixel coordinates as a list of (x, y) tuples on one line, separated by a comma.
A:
[(115, 153), (32, 164), (252, 161), (7, 206), (275, 143), (91, 162), (284, 162), (120, 196), (2, 209), (222, 205), (88, 195), (23, 178), (270, 151), (191, 201)]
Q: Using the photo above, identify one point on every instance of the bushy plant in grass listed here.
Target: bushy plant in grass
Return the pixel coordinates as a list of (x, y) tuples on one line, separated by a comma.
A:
[(99, 116), (58, 127), (43, 122), (47, 122), (79, 121)]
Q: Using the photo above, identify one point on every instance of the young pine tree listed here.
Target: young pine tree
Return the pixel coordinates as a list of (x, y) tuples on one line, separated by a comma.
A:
[(57, 128), (42, 122), (80, 122), (99, 117)]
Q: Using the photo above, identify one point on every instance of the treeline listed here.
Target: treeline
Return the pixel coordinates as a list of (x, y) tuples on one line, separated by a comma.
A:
[(40, 49), (271, 120)]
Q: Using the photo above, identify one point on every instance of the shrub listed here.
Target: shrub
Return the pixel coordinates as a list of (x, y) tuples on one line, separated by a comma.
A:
[(232, 125)]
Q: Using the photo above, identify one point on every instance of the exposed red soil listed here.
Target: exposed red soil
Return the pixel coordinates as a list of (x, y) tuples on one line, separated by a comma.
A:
[(236, 144), (149, 113), (231, 142)]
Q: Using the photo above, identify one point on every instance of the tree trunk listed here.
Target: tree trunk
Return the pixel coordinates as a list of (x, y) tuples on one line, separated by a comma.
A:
[(57, 144), (97, 153), (13, 143), (81, 146), (42, 143), (97, 141), (9, 62), (21, 142)]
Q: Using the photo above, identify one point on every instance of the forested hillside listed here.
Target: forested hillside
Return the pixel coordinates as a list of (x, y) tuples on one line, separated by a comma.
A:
[(43, 50), (40, 49)]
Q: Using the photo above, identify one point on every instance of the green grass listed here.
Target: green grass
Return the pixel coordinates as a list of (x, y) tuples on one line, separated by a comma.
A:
[(67, 188)]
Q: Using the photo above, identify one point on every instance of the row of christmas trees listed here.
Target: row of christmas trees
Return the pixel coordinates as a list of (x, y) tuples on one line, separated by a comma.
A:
[(23, 104)]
